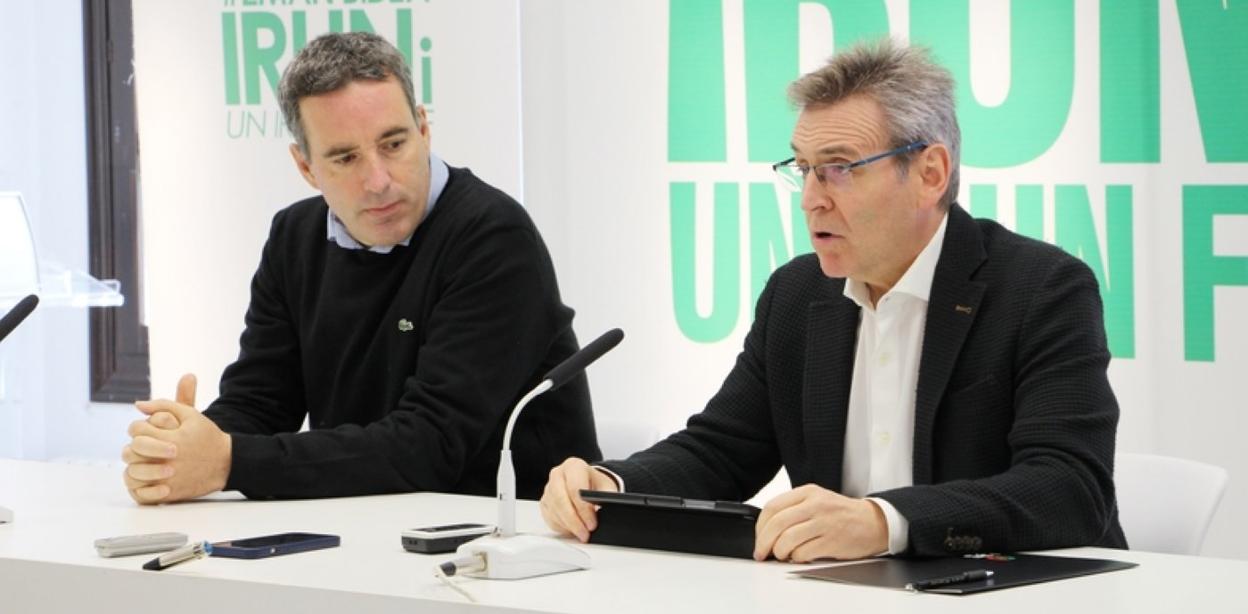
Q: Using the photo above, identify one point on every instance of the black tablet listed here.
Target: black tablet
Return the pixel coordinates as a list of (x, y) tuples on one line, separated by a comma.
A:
[(662, 522)]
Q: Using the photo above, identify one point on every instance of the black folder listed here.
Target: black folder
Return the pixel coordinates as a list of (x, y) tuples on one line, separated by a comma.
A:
[(660, 522), (1007, 571)]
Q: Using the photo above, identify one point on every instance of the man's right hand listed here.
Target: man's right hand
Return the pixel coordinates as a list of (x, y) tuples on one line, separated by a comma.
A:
[(562, 506)]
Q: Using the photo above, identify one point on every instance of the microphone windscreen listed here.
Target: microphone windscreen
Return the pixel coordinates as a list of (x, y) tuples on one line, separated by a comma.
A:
[(588, 354), (17, 314)]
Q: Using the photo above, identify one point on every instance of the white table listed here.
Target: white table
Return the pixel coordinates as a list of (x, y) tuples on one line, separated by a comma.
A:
[(48, 564)]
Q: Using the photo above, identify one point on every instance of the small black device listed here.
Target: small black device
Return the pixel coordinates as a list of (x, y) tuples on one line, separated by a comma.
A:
[(662, 522), (273, 545), (444, 538)]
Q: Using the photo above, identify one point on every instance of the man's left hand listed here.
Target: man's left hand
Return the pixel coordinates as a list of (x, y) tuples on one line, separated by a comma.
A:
[(810, 522), (175, 459)]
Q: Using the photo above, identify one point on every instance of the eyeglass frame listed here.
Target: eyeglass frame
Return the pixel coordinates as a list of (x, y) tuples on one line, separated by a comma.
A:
[(844, 167)]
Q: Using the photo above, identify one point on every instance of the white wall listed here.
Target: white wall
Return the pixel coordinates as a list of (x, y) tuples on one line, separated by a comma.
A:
[(44, 408)]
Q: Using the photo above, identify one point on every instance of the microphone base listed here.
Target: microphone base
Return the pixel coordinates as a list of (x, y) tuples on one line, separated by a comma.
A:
[(523, 556)]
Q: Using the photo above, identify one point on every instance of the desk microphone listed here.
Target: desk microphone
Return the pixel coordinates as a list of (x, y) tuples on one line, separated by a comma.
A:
[(23, 309), (505, 555), (566, 370)]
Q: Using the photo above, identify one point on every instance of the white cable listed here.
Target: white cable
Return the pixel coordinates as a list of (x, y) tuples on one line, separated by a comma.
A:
[(440, 573)]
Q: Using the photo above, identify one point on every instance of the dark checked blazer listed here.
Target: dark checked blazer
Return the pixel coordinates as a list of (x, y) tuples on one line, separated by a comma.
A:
[(1014, 417)]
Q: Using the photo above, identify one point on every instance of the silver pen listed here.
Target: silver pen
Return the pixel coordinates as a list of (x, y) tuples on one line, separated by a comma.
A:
[(197, 550)]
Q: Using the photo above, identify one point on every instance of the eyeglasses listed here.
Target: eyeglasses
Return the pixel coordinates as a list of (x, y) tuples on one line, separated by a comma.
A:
[(834, 174)]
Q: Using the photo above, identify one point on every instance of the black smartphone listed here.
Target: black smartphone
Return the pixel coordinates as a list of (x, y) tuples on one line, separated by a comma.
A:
[(274, 545), (444, 538)]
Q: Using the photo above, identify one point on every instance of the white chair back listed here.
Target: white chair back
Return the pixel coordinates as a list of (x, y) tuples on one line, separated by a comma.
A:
[(1165, 504)]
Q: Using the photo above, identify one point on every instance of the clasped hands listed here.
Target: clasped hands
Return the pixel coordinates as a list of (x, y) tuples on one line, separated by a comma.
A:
[(175, 453), (801, 525)]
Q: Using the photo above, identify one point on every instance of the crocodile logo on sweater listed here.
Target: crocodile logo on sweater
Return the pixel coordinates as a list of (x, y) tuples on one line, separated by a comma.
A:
[(405, 326)]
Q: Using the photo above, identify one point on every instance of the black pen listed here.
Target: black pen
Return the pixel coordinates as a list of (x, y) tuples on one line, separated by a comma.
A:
[(966, 576), (186, 553)]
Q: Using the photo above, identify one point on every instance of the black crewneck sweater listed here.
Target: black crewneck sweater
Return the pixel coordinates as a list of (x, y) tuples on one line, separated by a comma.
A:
[(406, 363)]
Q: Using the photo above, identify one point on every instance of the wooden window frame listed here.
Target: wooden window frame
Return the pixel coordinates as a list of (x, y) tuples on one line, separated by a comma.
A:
[(120, 368)]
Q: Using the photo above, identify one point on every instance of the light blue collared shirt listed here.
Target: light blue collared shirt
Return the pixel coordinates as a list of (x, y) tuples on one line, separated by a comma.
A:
[(336, 231)]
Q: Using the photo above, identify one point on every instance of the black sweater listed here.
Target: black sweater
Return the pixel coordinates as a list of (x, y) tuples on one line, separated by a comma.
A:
[(408, 363)]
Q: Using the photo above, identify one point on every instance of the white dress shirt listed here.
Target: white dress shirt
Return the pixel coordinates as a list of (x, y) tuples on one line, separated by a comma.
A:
[(879, 431)]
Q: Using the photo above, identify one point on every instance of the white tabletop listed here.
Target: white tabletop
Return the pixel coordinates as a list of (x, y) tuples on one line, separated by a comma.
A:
[(48, 563)]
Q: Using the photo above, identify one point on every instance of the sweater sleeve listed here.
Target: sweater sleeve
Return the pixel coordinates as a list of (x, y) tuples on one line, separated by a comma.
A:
[(1058, 490), (261, 392), (488, 331)]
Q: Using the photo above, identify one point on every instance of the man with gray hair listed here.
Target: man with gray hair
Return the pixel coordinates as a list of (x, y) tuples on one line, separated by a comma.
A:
[(403, 312), (932, 384)]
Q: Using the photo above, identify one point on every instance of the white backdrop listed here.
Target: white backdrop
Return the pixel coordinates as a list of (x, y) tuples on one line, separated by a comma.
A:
[(566, 105)]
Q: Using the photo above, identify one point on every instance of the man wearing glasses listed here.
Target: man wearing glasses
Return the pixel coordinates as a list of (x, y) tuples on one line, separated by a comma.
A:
[(933, 384)]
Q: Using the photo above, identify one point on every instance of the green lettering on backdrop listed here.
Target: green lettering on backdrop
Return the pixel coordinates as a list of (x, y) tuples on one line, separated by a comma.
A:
[(1130, 82), (1076, 233), (1202, 270), (1213, 35), (696, 121), (403, 34), (257, 59), (771, 62), (726, 263), (426, 71), (298, 31), (359, 22), (229, 44), (1042, 75), (769, 248)]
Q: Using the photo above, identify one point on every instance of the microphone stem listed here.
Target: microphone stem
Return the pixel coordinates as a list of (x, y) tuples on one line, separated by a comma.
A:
[(515, 413), (507, 472)]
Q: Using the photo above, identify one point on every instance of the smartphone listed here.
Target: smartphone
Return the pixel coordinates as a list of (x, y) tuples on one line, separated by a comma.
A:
[(127, 545), (444, 538), (274, 545)]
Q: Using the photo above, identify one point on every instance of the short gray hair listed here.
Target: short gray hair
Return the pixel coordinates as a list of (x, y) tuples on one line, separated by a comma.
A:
[(331, 62), (914, 92)]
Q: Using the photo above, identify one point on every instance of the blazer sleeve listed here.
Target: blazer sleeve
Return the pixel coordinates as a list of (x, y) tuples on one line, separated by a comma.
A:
[(727, 451), (1058, 490)]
